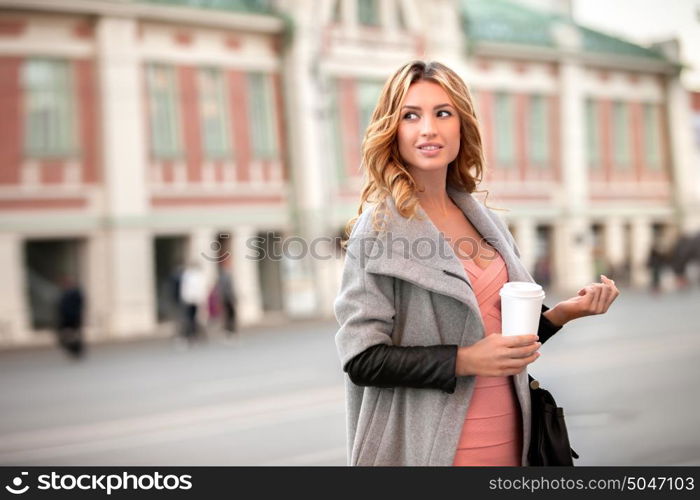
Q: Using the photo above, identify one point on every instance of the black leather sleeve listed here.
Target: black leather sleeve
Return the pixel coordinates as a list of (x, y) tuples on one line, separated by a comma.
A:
[(429, 367), (421, 367), (546, 329)]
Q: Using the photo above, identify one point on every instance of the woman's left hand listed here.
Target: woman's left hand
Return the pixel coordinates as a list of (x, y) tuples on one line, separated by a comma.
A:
[(592, 299)]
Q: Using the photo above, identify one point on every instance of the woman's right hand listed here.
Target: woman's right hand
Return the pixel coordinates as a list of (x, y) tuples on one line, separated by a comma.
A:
[(497, 356)]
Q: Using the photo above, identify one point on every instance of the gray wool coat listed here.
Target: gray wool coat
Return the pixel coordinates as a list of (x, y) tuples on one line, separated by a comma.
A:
[(404, 285)]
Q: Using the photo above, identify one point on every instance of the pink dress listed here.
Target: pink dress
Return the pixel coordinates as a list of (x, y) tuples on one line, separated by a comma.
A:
[(491, 434)]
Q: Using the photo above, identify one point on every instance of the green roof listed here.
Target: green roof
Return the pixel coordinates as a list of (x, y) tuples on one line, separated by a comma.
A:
[(595, 41), (248, 6), (503, 21), (500, 21)]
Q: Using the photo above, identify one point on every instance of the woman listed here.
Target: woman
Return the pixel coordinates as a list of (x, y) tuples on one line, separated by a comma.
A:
[(431, 381)]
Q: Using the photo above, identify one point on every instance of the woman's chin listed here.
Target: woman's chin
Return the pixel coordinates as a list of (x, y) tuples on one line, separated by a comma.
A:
[(429, 166)]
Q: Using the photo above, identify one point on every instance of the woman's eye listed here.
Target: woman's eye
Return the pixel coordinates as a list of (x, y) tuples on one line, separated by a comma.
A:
[(411, 114)]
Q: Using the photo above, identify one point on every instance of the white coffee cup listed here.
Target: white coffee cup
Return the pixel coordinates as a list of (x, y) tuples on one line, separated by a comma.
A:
[(521, 305)]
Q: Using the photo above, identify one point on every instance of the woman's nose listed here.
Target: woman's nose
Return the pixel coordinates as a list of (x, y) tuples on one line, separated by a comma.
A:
[(427, 126)]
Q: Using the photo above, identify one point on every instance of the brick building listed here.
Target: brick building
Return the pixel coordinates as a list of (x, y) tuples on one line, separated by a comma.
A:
[(139, 135)]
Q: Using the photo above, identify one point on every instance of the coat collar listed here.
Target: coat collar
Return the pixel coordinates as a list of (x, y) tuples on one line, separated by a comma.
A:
[(414, 250)]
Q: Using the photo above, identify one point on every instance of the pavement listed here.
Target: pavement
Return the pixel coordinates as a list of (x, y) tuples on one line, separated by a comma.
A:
[(274, 395)]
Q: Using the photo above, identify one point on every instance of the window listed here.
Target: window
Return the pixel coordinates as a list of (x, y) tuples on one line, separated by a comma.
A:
[(262, 116), (539, 131), (621, 134), (164, 112), (367, 96), (592, 135), (368, 12), (50, 123), (504, 133), (652, 141), (213, 112)]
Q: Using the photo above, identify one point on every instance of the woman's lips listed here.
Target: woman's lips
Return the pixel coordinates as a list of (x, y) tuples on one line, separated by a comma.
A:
[(429, 153)]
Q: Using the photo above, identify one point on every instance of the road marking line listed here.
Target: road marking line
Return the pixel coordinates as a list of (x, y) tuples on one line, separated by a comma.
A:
[(171, 426)]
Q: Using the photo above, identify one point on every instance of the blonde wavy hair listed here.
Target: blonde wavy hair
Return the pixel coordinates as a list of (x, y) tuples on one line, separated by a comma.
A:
[(385, 173)]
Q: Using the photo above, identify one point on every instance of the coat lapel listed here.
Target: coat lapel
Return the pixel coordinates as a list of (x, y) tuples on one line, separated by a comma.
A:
[(415, 251), (440, 280), (479, 216)]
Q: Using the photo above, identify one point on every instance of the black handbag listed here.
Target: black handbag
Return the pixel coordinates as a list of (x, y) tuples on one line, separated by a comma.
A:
[(549, 440)]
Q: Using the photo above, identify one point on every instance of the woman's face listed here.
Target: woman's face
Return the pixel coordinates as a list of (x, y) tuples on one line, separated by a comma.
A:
[(429, 130)]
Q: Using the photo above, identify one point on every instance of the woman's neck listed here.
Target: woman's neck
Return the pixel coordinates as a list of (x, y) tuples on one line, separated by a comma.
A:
[(432, 192)]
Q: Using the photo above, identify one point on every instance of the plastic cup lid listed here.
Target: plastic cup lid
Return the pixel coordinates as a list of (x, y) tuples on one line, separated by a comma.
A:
[(523, 289)]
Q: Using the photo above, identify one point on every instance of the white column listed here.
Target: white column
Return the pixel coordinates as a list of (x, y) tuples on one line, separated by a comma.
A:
[(132, 309), (526, 238), (245, 273), (614, 240), (572, 254), (299, 301), (330, 278), (122, 108), (348, 14), (129, 247), (441, 24), (574, 168), (684, 156), (97, 285), (573, 245), (14, 306), (388, 16), (641, 237), (307, 101)]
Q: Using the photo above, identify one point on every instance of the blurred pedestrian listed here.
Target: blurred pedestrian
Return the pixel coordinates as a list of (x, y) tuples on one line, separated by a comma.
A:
[(656, 262), (70, 318), (193, 293), (174, 282), (685, 252), (214, 304), (227, 296)]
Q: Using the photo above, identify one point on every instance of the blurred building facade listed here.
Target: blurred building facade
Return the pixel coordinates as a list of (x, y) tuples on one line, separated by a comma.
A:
[(141, 135)]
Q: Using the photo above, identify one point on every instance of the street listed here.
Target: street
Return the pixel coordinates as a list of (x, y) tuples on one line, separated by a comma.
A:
[(275, 395)]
